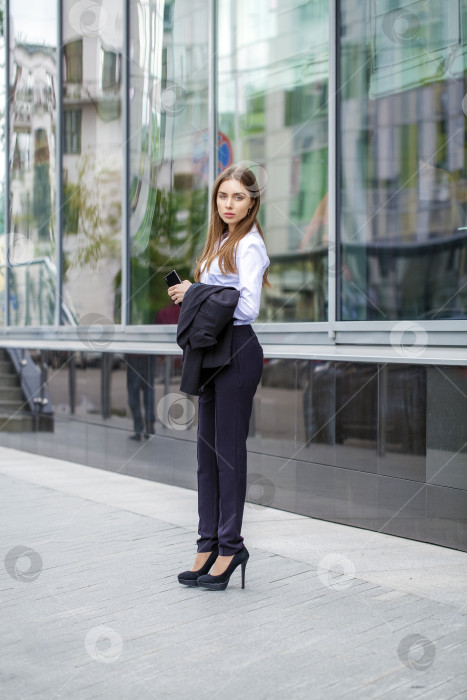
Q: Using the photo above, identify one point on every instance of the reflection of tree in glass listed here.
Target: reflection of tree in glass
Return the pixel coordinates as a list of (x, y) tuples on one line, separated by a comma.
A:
[(97, 218), (41, 184), (177, 231), (71, 204)]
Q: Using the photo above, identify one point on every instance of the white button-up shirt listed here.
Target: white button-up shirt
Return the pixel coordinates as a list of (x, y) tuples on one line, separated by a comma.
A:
[(251, 261)]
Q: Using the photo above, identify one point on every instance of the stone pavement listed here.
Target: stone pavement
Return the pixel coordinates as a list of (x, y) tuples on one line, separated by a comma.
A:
[(91, 605)]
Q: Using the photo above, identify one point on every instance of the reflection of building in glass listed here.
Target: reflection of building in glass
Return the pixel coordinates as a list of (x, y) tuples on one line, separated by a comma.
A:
[(92, 160), (33, 117), (168, 114), (356, 129), (32, 139), (404, 189), (273, 105)]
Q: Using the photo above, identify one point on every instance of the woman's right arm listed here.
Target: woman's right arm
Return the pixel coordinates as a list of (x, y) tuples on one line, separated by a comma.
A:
[(251, 260)]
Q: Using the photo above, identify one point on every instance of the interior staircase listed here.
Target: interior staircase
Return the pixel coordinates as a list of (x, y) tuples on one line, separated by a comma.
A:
[(15, 416)]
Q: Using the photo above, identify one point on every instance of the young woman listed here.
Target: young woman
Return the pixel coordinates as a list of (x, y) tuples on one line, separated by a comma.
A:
[(234, 255)]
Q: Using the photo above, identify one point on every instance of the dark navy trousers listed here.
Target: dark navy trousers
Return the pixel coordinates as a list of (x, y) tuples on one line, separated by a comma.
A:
[(225, 405)]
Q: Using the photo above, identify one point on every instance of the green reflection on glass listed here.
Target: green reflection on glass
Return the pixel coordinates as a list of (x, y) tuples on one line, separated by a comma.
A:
[(403, 174), (168, 150), (2, 186), (273, 108)]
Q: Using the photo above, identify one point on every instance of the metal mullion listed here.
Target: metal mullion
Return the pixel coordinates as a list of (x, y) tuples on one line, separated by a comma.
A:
[(125, 294), (6, 218), (212, 94), (332, 168), (59, 172)]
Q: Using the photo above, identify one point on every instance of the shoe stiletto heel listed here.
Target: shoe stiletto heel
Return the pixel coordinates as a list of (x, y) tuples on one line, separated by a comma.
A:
[(243, 574), (220, 583), (190, 578)]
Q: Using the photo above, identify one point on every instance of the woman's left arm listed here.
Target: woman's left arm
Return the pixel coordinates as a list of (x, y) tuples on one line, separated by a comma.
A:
[(251, 261), (178, 291)]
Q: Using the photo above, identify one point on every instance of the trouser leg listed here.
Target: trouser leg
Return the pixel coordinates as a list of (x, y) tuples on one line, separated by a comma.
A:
[(235, 387), (147, 383), (133, 384), (208, 476)]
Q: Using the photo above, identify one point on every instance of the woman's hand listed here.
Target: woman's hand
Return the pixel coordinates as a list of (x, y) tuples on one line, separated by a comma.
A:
[(177, 291)]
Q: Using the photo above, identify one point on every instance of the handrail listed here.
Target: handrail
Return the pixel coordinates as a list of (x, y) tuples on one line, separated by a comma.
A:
[(66, 314), (33, 381)]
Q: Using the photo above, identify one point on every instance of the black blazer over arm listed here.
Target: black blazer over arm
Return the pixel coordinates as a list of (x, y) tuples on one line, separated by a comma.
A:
[(204, 331)]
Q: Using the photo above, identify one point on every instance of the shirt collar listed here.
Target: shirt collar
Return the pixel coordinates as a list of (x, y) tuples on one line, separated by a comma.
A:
[(252, 230)]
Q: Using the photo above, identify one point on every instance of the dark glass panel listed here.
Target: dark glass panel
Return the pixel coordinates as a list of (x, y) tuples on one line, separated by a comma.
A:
[(280, 432), (447, 426), (401, 507), (318, 411), (356, 498), (356, 415), (402, 421), (447, 516)]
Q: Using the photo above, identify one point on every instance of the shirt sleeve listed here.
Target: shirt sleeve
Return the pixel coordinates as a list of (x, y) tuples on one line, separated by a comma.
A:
[(251, 262)]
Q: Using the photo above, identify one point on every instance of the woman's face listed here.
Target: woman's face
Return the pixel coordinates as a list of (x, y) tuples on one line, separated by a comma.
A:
[(233, 202)]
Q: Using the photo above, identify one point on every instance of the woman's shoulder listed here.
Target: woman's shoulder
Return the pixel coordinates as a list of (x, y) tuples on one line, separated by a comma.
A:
[(252, 248), (252, 239)]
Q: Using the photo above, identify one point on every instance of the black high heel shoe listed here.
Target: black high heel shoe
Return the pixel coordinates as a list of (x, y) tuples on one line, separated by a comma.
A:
[(190, 578), (220, 583)]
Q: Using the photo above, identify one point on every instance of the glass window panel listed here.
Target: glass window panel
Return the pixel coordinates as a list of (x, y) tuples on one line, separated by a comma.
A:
[(446, 429), (403, 177), (169, 145), (402, 421), (2, 184), (318, 407), (93, 160), (33, 122), (273, 112), (279, 432), (72, 126), (356, 415), (73, 62), (110, 69)]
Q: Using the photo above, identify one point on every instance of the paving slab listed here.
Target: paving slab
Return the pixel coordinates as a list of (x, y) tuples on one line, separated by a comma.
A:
[(91, 605)]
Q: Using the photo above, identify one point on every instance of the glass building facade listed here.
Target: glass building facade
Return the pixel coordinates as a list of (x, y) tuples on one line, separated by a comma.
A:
[(117, 117)]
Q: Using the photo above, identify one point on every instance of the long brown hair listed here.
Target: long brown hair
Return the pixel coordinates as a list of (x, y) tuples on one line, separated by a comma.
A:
[(217, 226)]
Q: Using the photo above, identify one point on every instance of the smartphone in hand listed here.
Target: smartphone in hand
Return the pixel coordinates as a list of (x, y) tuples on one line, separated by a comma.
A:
[(171, 279)]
